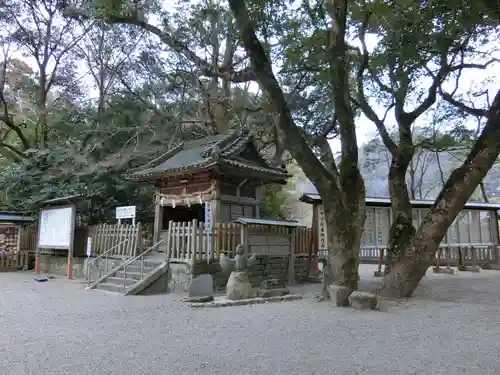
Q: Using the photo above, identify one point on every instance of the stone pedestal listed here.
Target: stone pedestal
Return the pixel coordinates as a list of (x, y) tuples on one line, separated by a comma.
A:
[(238, 286)]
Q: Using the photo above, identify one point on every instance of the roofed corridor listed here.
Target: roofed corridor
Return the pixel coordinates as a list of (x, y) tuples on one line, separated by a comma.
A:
[(450, 327)]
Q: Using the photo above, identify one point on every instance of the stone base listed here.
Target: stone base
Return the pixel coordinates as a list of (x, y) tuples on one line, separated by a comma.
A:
[(238, 286), (339, 295), (199, 299), (313, 279), (491, 266), (378, 274), (57, 264), (223, 302), (363, 300), (445, 270), (469, 269), (277, 292)]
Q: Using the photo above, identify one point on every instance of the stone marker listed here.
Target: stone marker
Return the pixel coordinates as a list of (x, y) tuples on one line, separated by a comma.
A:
[(446, 270), (339, 295), (272, 288), (201, 289), (471, 269), (238, 287), (363, 300)]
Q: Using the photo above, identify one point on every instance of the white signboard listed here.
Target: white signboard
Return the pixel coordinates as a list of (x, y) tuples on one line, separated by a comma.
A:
[(56, 228), (125, 212), (208, 227), (89, 246), (322, 234)]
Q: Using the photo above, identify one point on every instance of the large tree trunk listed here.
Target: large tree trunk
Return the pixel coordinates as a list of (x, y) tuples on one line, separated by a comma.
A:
[(344, 238), (402, 231), (404, 277), (342, 187)]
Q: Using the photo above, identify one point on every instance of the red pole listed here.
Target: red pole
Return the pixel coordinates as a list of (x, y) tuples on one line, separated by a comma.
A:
[(487, 258), (438, 260), (447, 256), (473, 256), (316, 267), (380, 259), (37, 264)]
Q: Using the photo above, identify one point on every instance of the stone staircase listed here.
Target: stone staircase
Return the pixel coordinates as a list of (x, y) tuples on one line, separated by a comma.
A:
[(131, 279)]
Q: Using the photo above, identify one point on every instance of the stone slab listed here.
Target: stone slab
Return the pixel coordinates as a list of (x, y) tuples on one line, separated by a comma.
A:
[(445, 270), (378, 274), (339, 295), (199, 299), (266, 293), (471, 269), (201, 286), (224, 302), (363, 300)]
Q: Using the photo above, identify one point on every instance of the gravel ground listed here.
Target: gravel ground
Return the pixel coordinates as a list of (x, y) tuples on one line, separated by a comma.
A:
[(451, 326)]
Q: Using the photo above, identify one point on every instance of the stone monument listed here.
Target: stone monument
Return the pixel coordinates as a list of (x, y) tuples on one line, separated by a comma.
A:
[(238, 287)]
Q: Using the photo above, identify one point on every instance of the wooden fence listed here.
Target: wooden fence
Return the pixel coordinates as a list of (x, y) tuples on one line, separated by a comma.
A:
[(104, 237), (28, 238), (471, 255), (126, 239), (190, 240), (14, 262)]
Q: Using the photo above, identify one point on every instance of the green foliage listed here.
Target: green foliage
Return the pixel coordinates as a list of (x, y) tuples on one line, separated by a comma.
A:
[(272, 206)]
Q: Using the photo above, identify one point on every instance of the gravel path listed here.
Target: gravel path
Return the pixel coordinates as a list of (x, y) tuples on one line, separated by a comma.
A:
[(450, 327)]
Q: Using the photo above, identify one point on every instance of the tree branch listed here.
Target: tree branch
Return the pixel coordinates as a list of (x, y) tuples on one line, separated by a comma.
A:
[(178, 46), (361, 98), (292, 137)]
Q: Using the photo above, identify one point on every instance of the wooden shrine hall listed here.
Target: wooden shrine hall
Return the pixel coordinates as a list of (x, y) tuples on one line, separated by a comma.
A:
[(216, 179)]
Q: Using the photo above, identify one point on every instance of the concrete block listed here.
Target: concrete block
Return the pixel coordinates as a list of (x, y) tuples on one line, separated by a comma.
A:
[(445, 270), (469, 268), (339, 295), (363, 300)]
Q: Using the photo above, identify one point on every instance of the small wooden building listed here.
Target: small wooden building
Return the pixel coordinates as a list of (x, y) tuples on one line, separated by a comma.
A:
[(12, 257), (11, 225), (216, 179), (476, 227)]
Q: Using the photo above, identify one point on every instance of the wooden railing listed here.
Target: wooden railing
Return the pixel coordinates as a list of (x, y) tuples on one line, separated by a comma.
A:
[(481, 254), (125, 238), (104, 237), (190, 240), (28, 238), (13, 262)]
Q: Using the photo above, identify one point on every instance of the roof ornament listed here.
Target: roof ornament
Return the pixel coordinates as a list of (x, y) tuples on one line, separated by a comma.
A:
[(163, 201), (199, 199), (216, 151), (188, 203), (173, 203)]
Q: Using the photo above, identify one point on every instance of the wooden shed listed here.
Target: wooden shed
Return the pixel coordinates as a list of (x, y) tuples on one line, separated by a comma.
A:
[(216, 179), (476, 226), (274, 243)]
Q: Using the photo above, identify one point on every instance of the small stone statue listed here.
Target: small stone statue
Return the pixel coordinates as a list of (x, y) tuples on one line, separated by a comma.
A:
[(238, 287), (239, 263)]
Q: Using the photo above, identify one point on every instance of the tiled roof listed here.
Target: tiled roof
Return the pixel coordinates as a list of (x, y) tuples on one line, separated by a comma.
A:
[(223, 149)]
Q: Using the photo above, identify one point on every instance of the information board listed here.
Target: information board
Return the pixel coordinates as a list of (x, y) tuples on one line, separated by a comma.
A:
[(125, 212), (56, 228)]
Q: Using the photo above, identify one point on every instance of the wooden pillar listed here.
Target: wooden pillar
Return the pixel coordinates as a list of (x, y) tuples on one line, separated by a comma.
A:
[(71, 242), (291, 263), (158, 217)]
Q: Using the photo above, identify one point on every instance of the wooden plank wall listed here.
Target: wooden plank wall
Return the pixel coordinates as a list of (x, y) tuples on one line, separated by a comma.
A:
[(189, 240), (104, 237)]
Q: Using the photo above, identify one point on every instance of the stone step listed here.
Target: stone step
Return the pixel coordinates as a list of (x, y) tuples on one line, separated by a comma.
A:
[(137, 269), (111, 287), (121, 281), (131, 275)]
